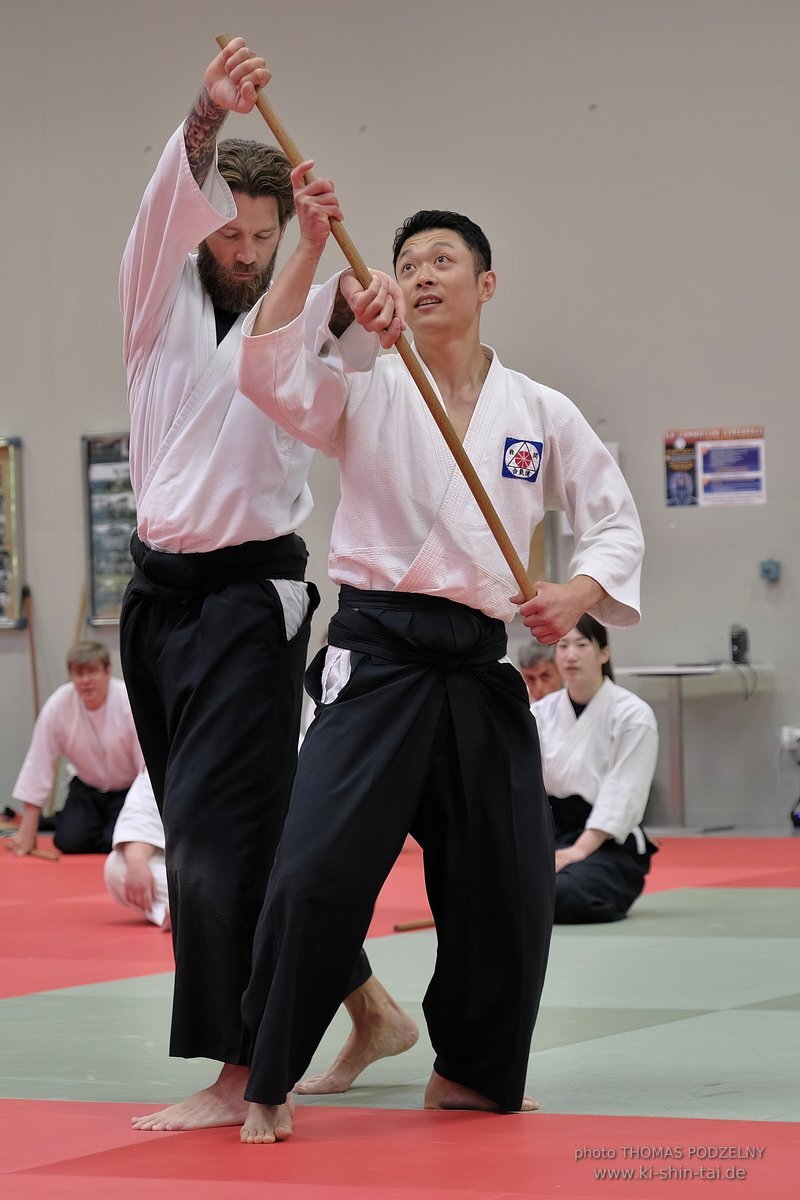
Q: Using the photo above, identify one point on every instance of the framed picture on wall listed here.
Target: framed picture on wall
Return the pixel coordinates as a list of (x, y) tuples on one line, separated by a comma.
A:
[(11, 574), (111, 519)]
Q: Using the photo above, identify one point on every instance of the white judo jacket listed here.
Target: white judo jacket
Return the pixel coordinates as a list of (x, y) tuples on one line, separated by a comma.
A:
[(607, 755), (406, 520), (208, 470), (101, 746)]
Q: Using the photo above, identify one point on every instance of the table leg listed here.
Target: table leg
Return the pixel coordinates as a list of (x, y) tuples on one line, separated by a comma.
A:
[(676, 801)]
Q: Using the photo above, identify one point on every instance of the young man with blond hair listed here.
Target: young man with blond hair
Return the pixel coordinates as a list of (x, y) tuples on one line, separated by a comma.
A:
[(88, 722)]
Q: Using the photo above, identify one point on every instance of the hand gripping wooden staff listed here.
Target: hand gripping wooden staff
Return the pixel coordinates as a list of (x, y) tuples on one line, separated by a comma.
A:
[(436, 409)]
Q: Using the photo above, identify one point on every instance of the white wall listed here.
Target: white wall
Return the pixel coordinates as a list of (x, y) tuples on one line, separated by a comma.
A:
[(633, 162)]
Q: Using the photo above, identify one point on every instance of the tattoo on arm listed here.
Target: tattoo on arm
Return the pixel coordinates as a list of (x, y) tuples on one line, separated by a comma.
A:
[(200, 131), (342, 316)]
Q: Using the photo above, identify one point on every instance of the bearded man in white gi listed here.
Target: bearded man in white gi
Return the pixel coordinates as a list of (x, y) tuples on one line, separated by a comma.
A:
[(424, 723), (88, 722), (215, 623)]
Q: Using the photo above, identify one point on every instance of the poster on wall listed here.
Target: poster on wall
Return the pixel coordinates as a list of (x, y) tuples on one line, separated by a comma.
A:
[(111, 519), (715, 467), (11, 580)]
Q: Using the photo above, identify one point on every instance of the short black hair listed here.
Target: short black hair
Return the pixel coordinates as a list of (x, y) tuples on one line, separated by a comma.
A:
[(435, 218)]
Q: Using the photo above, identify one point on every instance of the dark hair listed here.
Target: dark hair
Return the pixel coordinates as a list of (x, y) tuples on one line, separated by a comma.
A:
[(257, 170), (433, 218), (597, 633)]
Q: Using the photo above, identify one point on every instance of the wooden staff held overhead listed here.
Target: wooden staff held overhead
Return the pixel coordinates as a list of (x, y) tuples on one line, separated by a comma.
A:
[(436, 409)]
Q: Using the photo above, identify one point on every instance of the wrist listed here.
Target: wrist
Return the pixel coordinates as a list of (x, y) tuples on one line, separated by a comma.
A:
[(206, 107), (587, 590), (304, 260), (136, 853), (29, 821)]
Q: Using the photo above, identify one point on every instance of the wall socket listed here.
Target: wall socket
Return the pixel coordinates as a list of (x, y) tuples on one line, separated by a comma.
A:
[(790, 737)]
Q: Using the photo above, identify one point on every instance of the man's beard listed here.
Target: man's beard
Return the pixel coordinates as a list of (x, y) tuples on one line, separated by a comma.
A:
[(227, 292)]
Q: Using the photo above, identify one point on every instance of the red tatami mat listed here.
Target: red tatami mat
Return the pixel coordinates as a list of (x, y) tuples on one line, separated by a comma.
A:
[(54, 1149), (690, 862), (682, 862), (403, 896), (62, 929)]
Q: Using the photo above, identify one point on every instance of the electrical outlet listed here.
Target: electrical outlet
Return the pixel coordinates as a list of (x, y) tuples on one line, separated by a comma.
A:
[(790, 737)]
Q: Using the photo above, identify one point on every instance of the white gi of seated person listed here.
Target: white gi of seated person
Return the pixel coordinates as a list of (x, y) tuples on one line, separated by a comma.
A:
[(88, 722), (134, 871), (599, 747)]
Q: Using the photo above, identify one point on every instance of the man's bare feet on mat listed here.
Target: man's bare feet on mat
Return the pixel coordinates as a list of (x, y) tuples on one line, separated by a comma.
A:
[(380, 1030), (221, 1104), (268, 1123), (443, 1093)]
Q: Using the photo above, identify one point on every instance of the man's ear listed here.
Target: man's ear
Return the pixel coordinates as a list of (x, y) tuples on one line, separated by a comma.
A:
[(487, 282)]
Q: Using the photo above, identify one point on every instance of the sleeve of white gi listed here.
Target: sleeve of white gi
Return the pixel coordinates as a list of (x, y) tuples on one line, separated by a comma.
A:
[(301, 375), (620, 804), (35, 780), (139, 819), (174, 217), (584, 481)]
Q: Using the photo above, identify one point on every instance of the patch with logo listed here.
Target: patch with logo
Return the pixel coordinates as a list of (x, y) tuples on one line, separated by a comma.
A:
[(522, 459)]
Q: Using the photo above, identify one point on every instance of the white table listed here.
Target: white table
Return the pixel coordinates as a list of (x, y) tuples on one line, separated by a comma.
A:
[(750, 675)]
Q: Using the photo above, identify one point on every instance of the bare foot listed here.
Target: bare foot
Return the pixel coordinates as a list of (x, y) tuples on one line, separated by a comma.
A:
[(221, 1104), (443, 1093), (380, 1029), (267, 1123)]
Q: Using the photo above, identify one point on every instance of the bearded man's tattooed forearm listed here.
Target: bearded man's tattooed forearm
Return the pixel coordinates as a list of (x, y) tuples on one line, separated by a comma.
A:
[(200, 131)]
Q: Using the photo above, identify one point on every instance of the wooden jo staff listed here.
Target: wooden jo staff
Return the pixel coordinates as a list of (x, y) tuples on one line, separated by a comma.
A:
[(436, 409)]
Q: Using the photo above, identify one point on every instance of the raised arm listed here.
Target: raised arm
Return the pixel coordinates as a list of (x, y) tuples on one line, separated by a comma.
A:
[(229, 85), (181, 208), (315, 204), (379, 308)]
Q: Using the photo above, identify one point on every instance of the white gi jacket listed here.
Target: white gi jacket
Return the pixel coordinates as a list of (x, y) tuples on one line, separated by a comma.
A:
[(102, 747), (607, 755), (407, 521), (208, 470), (139, 819)]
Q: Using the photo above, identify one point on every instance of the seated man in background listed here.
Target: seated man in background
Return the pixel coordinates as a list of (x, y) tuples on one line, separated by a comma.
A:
[(599, 744), (134, 871), (537, 666), (87, 721)]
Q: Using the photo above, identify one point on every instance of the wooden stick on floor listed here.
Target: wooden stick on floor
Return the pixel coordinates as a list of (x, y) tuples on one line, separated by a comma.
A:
[(408, 926), (47, 855)]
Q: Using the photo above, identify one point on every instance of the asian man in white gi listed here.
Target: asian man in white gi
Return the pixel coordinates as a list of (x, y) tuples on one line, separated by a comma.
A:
[(424, 724)]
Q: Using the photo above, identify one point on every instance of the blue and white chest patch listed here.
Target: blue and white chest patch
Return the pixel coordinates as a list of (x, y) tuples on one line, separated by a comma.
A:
[(522, 459)]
